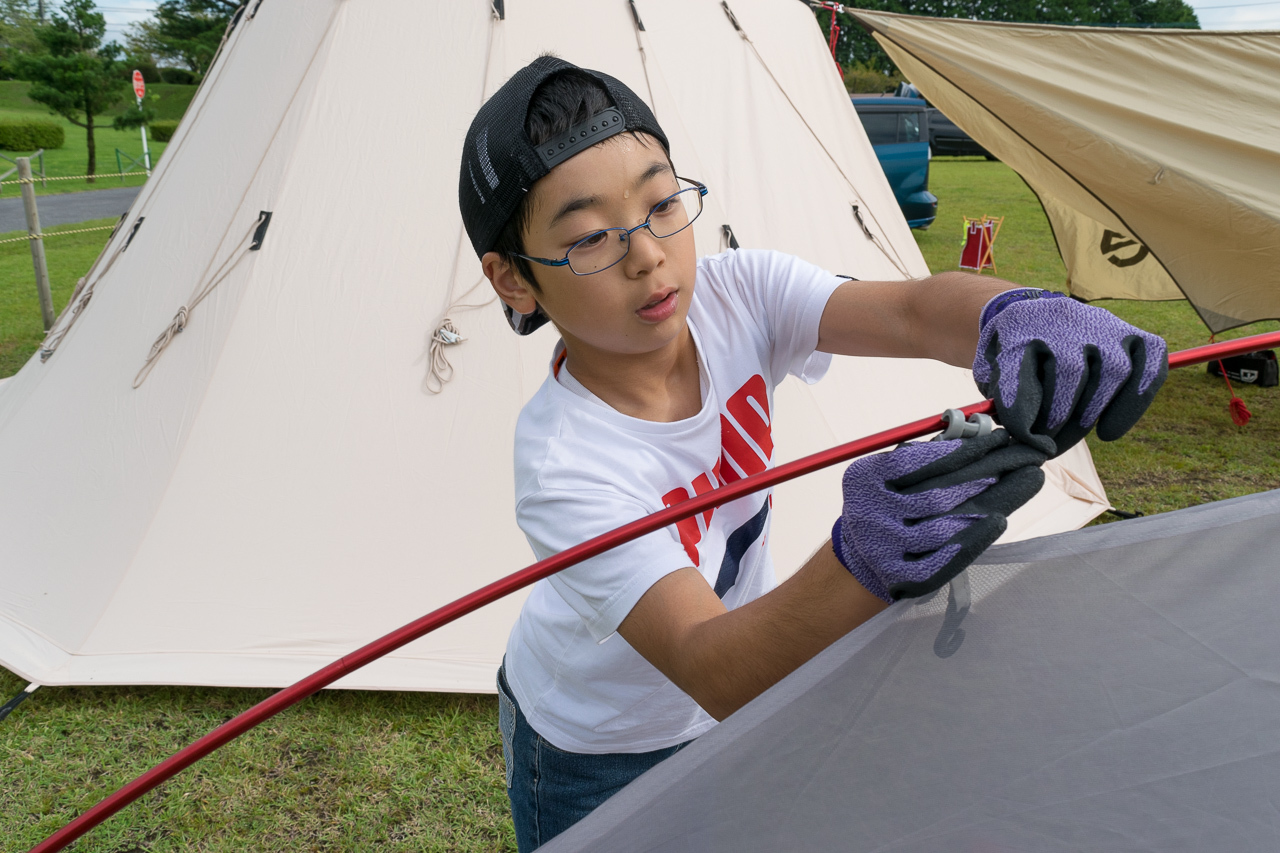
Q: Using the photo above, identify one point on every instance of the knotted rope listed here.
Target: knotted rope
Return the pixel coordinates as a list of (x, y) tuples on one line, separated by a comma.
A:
[(180, 319), (1240, 413), (447, 334)]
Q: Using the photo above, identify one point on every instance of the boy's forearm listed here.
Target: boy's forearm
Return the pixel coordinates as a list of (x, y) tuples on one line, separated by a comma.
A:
[(934, 317), (946, 308), (726, 661)]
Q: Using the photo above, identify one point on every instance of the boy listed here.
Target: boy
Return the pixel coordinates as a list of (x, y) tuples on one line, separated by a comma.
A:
[(661, 387)]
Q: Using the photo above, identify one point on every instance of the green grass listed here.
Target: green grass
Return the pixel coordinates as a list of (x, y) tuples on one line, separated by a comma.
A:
[(351, 771), (73, 157), (346, 771), (68, 258)]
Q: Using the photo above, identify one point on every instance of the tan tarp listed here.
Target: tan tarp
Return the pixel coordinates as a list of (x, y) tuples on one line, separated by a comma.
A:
[(281, 488), (1156, 153)]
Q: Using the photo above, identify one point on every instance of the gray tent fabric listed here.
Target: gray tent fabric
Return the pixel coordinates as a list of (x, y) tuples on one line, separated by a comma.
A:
[(1115, 688)]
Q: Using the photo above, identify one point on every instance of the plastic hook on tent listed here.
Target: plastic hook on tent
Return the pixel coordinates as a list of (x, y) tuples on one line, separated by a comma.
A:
[(958, 426), (950, 634)]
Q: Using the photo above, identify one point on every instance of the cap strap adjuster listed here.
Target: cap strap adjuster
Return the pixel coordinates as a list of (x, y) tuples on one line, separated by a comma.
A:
[(599, 127)]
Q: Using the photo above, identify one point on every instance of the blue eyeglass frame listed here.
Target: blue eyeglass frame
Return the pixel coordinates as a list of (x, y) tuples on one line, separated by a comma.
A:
[(627, 232)]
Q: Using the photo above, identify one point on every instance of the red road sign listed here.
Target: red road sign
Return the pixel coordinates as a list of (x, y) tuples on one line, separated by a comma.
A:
[(139, 85)]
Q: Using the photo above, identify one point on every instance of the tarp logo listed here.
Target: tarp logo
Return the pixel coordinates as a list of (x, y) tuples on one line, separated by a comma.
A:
[(1114, 241)]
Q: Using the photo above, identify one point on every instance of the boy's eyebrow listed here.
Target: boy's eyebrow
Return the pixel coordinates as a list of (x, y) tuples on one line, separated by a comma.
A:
[(573, 205), (656, 168)]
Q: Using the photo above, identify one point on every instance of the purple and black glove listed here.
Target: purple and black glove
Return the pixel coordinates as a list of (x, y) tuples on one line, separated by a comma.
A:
[(916, 516), (1056, 367)]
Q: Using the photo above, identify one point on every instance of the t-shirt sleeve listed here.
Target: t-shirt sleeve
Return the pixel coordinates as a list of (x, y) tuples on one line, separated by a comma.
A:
[(603, 589), (786, 296)]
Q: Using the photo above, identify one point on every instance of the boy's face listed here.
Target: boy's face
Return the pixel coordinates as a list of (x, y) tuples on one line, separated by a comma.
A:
[(636, 306)]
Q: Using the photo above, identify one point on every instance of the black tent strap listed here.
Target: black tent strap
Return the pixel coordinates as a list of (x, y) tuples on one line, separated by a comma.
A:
[(133, 232), (260, 233), (7, 708), (727, 231)]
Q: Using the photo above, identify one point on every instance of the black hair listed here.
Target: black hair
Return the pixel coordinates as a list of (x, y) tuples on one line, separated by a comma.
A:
[(560, 102)]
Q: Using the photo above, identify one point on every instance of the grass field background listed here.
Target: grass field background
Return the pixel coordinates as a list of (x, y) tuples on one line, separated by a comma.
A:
[(366, 771), (73, 157)]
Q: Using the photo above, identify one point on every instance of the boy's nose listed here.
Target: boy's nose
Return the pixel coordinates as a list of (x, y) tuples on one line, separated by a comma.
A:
[(645, 253)]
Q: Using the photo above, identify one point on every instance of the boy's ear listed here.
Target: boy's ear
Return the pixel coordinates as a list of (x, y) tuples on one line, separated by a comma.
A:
[(508, 284)]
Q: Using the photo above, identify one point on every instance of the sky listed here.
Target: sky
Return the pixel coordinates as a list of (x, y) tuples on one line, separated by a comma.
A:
[(1213, 14), (120, 13)]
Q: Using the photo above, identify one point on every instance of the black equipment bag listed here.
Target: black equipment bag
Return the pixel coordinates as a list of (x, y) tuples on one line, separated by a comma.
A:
[(1253, 368)]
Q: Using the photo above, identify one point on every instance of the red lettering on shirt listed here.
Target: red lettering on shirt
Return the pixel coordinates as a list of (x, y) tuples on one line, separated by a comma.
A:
[(753, 422), (749, 407)]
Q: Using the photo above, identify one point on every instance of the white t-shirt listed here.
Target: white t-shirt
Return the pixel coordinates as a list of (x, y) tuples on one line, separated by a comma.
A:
[(583, 468)]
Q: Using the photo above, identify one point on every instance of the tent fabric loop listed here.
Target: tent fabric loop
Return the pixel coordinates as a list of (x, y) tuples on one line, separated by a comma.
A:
[(635, 15), (180, 320), (734, 20), (728, 240)]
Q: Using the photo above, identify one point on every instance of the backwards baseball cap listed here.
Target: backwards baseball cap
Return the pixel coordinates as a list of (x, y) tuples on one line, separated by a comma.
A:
[(500, 163)]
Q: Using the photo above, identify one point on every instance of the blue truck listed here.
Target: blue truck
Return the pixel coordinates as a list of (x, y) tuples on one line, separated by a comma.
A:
[(898, 129)]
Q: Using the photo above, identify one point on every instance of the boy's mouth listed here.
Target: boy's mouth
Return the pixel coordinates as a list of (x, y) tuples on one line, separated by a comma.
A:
[(660, 307)]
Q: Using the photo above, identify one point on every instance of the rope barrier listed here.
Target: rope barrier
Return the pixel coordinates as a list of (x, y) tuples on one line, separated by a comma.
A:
[(75, 178), (383, 646), (45, 234)]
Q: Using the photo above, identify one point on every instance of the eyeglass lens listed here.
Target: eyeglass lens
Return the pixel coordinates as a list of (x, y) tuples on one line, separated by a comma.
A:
[(605, 248)]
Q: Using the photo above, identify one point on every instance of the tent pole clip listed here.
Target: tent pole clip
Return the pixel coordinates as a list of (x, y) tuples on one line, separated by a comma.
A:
[(957, 426)]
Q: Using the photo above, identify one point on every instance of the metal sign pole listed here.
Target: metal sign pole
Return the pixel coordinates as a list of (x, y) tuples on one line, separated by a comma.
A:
[(146, 152), (140, 89), (36, 241)]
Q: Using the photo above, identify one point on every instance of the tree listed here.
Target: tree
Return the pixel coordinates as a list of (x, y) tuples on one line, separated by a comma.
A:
[(17, 32), (856, 48), (183, 31), (77, 76)]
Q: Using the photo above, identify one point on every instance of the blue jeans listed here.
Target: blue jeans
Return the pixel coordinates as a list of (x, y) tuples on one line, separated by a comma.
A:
[(551, 789)]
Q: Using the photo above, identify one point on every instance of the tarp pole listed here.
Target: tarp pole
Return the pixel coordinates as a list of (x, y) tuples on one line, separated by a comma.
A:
[(276, 703)]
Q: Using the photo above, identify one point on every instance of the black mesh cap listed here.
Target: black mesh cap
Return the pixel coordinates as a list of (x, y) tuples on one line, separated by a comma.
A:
[(500, 163)]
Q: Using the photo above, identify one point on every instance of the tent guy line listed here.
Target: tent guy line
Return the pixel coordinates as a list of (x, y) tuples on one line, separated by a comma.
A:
[(289, 696)]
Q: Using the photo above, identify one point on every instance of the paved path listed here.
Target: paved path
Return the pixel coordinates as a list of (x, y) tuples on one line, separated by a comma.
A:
[(66, 209)]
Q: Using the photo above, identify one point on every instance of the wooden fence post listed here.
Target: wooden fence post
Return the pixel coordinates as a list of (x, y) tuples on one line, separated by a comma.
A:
[(36, 241)]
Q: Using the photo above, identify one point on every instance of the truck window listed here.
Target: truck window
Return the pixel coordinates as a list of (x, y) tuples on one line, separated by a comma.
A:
[(908, 127), (882, 128)]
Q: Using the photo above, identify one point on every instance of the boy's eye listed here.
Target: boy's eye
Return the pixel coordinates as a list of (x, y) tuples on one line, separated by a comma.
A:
[(594, 240), (664, 206)]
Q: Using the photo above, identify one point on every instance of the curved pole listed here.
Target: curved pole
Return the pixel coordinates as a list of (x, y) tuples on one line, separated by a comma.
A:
[(276, 703)]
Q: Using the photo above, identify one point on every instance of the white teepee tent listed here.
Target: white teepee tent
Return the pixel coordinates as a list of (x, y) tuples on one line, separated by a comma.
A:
[(278, 485)]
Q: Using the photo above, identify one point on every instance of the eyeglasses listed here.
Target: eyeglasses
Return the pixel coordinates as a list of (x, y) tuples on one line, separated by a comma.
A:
[(601, 250)]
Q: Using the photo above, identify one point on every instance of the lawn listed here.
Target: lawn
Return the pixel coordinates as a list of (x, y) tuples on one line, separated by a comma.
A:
[(73, 157), (356, 771)]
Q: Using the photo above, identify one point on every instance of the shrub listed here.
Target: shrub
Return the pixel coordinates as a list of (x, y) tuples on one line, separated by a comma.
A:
[(28, 134), (162, 131), (863, 79), (150, 74), (177, 75)]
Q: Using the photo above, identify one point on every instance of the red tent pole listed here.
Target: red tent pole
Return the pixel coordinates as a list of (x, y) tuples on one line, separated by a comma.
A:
[(276, 703)]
